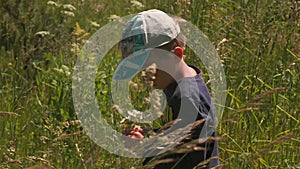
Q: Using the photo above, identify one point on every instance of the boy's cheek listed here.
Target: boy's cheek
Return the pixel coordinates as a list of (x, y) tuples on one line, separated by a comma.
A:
[(159, 82)]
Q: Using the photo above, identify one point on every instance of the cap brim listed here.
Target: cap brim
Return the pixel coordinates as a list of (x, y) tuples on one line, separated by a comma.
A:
[(131, 65)]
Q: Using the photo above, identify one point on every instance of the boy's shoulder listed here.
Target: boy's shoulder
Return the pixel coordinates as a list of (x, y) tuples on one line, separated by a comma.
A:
[(188, 87)]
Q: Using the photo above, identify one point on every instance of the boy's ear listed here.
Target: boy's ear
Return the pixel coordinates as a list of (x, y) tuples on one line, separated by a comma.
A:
[(178, 51)]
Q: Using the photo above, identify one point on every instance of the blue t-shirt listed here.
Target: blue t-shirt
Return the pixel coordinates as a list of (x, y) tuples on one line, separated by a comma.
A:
[(190, 101)]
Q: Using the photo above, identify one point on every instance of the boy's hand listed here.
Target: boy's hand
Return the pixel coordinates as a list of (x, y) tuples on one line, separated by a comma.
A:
[(136, 133)]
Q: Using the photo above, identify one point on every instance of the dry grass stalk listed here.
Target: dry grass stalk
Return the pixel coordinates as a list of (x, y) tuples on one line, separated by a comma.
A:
[(117, 108), (157, 162), (247, 109), (232, 120), (218, 166), (9, 113), (267, 93), (266, 147), (280, 139), (204, 163), (255, 104), (65, 136), (257, 101), (38, 159), (38, 167), (184, 145)]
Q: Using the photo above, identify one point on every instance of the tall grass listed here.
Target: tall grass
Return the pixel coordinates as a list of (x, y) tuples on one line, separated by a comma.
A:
[(39, 41)]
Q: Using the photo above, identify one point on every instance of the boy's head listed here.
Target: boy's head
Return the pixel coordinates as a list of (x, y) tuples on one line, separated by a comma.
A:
[(152, 29)]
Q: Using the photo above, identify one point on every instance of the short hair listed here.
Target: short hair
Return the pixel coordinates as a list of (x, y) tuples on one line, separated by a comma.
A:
[(180, 41)]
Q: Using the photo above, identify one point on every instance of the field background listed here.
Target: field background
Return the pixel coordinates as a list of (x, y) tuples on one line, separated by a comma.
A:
[(260, 52)]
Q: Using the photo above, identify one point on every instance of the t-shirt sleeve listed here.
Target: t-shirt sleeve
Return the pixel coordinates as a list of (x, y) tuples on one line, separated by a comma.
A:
[(188, 111)]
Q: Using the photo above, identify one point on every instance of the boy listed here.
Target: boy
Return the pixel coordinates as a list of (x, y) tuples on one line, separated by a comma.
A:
[(157, 36)]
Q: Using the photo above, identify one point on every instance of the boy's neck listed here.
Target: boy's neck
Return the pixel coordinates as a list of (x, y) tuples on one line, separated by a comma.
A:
[(185, 71)]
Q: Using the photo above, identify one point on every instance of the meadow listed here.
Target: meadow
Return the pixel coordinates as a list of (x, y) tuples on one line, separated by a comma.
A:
[(258, 43)]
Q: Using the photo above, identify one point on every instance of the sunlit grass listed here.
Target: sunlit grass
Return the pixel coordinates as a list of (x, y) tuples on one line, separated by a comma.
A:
[(38, 50)]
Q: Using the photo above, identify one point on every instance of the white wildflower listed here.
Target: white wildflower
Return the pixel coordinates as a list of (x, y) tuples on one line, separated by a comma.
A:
[(136, 4), (52, 3), (149, 74), (157, 99), (69, 13), (75, 48), (113, 17), (134, 113), (54, 83), (43, 33), (124, 120), (65, 68), (58, 70), (62, 71), (95, 24), (223, 41), (67, 73), (69, 7), (12, 149)]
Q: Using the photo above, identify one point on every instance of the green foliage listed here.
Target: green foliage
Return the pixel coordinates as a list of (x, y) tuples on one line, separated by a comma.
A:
[(260, 51)]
